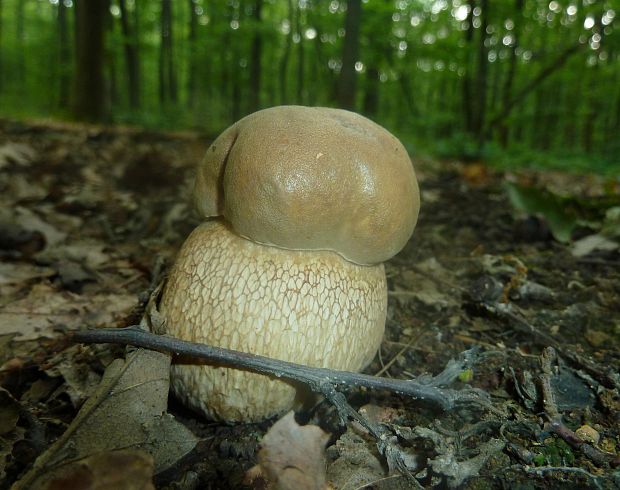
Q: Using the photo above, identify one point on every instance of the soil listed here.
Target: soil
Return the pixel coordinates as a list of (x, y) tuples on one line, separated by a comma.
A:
[(91, 216)]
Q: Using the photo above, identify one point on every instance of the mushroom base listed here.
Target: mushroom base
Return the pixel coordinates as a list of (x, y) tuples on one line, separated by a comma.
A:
[(308, 307)]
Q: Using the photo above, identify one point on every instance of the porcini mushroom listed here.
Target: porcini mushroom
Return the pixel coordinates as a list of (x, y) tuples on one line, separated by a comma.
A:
[(304, 206)]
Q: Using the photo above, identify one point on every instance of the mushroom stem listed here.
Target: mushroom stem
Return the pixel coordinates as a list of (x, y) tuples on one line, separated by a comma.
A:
[(310, 307)]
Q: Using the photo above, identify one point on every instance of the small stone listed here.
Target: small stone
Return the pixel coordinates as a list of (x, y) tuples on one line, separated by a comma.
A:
[(588, 434)]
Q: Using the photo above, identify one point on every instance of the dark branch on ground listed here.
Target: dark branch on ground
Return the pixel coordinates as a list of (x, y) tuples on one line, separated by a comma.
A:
[(430, 390)]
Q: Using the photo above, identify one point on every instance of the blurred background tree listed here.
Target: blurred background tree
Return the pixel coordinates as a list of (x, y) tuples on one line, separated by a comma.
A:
[(518, 81)]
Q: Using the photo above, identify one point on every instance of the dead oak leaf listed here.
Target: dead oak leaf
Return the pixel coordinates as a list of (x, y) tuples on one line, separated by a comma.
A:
[(292, 457), (46, 310), (113, 470)]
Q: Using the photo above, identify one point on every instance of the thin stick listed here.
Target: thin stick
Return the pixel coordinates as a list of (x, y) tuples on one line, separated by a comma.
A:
[(547, 358), (320, 380)]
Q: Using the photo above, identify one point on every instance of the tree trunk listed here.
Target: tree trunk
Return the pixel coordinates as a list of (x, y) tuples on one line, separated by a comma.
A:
[(256, 58), (192, 76), (481, 78), (167, 74), (1, 45), (537, 80), (131, 56), (63, 56), (300, 59), (510, 76), (235, 71), (348, 78), (19, 30), (89, 84), (283, 69), (110, 62), (467, 97), (370, 105)]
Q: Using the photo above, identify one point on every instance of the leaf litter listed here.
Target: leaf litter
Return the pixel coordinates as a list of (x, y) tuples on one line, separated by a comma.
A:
[(85, 222)]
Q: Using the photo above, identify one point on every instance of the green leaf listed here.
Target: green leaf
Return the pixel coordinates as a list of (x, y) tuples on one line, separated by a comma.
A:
[(556, 210)]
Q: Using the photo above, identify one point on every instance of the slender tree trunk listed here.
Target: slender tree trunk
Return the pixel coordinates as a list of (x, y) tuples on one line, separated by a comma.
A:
[(167, 73), (283, 69), (468, 109), (482, 75), (534, 83), (110, 63), (235, 71), (192, 76), (571, 99), (347, 83), (539, 131), (63, 56), (1, 45), (89, 92), (370, 105), (131, 57), (512, 69), (300, 59), (256, 58), (19, 30), (595, 109)]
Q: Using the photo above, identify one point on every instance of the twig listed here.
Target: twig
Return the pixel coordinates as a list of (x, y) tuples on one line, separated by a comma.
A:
[(320, 380), (555, 418), (510, 313), (541, 470), (399, 353)]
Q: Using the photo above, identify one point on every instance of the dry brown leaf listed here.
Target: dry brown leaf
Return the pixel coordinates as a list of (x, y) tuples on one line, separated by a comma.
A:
[(10, 432), (16, 153), (355, 462), (292, 457), (46, 309), (114, 470), (128, 411), (31, 221), (13, 276)]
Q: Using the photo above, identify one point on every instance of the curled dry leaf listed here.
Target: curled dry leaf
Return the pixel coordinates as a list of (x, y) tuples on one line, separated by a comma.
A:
[(292, 457)]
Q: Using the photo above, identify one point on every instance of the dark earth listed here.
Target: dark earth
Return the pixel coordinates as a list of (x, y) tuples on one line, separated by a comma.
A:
[(91, 217)]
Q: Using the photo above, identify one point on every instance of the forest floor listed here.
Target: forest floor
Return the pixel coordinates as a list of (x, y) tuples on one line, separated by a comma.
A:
[(89, 216)]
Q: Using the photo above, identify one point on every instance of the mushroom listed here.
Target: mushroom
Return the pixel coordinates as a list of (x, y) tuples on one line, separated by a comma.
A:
[(304, 205)]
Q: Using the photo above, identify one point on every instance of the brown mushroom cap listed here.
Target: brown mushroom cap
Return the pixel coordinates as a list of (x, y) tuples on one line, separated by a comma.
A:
[(307, 178)]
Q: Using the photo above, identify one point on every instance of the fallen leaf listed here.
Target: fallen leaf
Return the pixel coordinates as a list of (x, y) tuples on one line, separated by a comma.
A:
[(292, 457), (15, 274), (9, 412), (127, 411), (30, 221), (591, 243), (81, 380), (10, 432), (46, 310), (16, 153), (16, 241), (355, 462), (560, 217), (113, 470)]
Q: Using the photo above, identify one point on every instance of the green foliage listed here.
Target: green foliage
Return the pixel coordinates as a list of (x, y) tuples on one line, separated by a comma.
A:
[(555, 452), (565, 213), (539, 87)]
